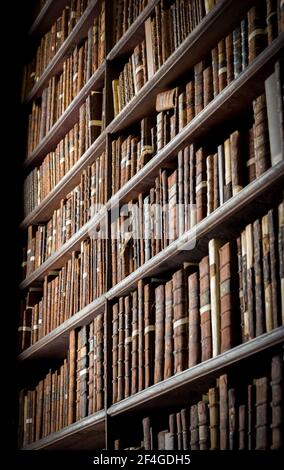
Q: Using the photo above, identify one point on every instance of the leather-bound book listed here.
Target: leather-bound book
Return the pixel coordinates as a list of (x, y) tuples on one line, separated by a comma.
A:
[(198, 87), (228, 170), (134, 361), (229, 309), (205, 309), (179, 431), (215, 291), (271, 20), (274, 267), (149, 332), (192, 185), (185, 426), (233, 427), (170, 437), (173, 201), (203, 425), (168, 363), (261, 426), (229, 58), (237, 52), (242, 422), (224, 412), (159, 333), (208, 85), (193, 320), (213, 396), (215, 71), (274, 104), (258, 279), (180, 325), (114, 351), (261, 136), (194, 434), (236, 161), (91, 368), (250, 281), (72, 377), (190, 103), (277, 402), (267, 273), (222, 65), (201, 185), (256, 31), (147, 434), (128, 345), (166, 100), (141, 344), (210, 183), (251, 417), (120, 355)]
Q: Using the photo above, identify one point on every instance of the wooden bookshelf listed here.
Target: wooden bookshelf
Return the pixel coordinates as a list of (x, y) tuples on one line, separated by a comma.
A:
[(226, 222), (176, 389), (86, 434), (66, 120), (46, 17), (56, 64)]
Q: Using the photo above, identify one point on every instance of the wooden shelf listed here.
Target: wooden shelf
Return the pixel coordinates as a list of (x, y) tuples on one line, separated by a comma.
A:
[(43, 212), (47, 16), (66, 120), (211, 29), (55, 344), (177, 388), (234, 99), (253, 201), (86, 434), (134, 34), (57, 259), (55, 66)]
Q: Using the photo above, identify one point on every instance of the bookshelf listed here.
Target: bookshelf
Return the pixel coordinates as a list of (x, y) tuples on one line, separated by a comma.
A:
[(99, 429)]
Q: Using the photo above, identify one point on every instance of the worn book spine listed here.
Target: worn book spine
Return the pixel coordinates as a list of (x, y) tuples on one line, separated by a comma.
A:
[(281, 255), (261, 136), (250, 281), (194, 434), (127, 345), (267, 273), (120, 349), (134, 362), (214, 246), (213, 396), (232, 419), (261, 426), (201, 185), (258, 279), (224, 412), (277, 402), (168, 361), (251, 417), (205, 309), (160, 333), (141, 345), (72, 377), (203, 425), (149, 332), (180, 325), (193, 320), (242, 423), (185, 426)]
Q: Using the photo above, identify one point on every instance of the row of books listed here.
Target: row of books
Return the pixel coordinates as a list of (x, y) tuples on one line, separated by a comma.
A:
[(64, 87), (51, 42), (69, 393), (76, 209), (64, 292), (42, 179), (233, 415), (169, 26), (211, 75), (231, 296), (125, 13), (236, 293)]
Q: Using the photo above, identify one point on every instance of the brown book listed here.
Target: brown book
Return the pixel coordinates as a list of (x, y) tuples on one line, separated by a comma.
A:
[(250, 281), (261, 137), (215, 70), (147, 434), (193, 321), (198, 87), (120, 350), (201, 185), (222, 65), (128, 345), (256, 31), (242, 420), (251, 420), (213, 396), (194, 434), (168, 362), (149, 332), (208, 85), (232, 419), (228, 308), (203, 425), (179, 431), (134, 362), (258, 279), (72, 377), (267, 273), (180, 325), (215, 292), (229, 58), (205, 310), (272, 223), (114, 351), (261, 425), (141, 350), (224, 412), (184, 425), (277, 402), (166, 100), (160, 333), (281, 255)]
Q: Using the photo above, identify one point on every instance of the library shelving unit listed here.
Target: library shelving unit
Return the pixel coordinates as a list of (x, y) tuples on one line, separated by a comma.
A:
[(98, 430)]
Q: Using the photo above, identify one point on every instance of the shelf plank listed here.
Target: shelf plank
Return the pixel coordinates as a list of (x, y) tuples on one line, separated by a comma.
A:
[(55, 66), (43, 212), (47, 16), (55, 344), (86, 434), (134, 34), (57, 259), (195, 47), (66, 120), (253, 201), (176, 389), (232, 101)]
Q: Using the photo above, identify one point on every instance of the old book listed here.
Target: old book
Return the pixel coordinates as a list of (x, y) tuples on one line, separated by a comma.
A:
[(170, 439), (203, 425), (272, 224), (276, 402), (251, 417), (261, 425), (242, 421), (168, 361), (274, 105), (127, 345), (213, 396), (166, 100), (258, 279), (232, 419), (120, 350), (256, 31), (184, 425), (149, 332), (261, 136), (281, 255), (201, 185), (194, 434), (134, 362), (224, 412), (141, 345), (214, 246), (193, 321), (147, 434), (267, 273), (205, 309), (250, 281), (180, 325), (198, 87), (72, 377)]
